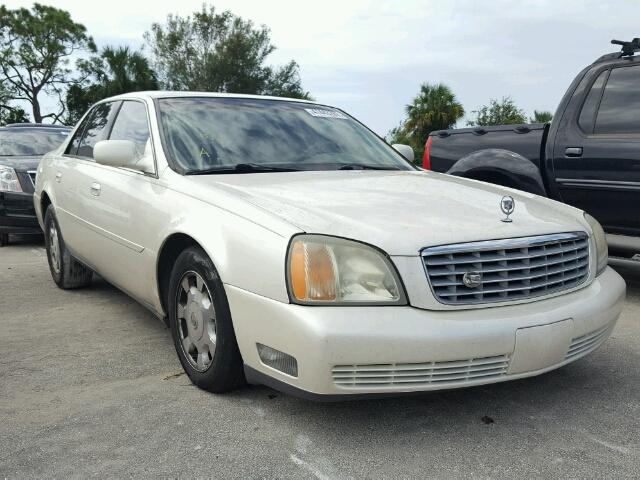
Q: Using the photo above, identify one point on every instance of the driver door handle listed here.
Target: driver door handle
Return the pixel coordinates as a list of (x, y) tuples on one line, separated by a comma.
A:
[(95, 189), (573, 151)]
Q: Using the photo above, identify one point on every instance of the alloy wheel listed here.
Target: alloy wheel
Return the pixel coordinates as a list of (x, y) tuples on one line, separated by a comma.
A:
[(54, 247), (196, 321)]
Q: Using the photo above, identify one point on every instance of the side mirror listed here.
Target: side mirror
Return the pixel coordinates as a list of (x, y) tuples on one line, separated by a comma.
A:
[(405, 150), (116, 153)]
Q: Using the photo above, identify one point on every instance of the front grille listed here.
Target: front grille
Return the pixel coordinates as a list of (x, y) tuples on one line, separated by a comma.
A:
[(587, 343), (32, 176), (420, 374), (505, 270)]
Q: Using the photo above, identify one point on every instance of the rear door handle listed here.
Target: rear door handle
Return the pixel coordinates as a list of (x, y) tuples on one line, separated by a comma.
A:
[(95, 189), (573, 151), (58, 177)]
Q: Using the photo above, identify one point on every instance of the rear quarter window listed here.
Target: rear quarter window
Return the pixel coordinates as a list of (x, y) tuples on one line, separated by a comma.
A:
[(619, 110)]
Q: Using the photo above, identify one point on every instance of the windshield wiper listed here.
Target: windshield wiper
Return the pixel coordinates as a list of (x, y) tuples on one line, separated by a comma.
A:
[(358, 166), (241, 168)]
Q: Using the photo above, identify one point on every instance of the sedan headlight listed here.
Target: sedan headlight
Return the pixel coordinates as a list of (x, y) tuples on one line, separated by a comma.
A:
[(335, 271), (9, 180), (600, 238)]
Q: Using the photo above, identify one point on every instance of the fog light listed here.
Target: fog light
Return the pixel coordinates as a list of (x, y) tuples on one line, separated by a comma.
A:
[(276, 359)]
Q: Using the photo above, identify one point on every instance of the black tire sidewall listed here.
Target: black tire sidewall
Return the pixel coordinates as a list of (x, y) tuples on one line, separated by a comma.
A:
[(225, 372), (49, 218)]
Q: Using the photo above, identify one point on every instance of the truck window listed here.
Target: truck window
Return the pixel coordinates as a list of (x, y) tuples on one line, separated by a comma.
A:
[(618, 112), (588, 113)]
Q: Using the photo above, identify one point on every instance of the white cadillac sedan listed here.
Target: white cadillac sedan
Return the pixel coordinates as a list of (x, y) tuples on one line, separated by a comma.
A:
[(286, 244)]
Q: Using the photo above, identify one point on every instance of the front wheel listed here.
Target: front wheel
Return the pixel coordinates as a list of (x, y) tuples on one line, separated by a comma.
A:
[(201, 325), (66, 271)]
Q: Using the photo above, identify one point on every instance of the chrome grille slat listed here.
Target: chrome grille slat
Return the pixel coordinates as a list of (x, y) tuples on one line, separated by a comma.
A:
[(505, 256), (414, 374), (486, 279), (510, 269)]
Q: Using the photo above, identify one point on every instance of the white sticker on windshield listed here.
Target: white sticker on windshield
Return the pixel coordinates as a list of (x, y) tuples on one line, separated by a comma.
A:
[(317, 112)]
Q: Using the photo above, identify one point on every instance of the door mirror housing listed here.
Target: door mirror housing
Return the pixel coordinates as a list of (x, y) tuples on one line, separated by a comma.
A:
[(117, 153), (405, 150)]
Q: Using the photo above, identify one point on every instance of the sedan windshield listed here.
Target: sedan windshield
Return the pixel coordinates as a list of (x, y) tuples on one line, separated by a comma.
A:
[(30, 141), (240, 135)]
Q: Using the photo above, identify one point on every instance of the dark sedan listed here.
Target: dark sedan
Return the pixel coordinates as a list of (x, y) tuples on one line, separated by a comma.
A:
[(21, 147)]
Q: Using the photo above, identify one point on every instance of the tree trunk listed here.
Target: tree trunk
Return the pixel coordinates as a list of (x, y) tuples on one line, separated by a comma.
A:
[(37, 115)]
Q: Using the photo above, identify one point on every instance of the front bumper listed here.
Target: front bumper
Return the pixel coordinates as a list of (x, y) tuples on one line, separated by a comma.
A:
[(355, 351), (17, 213)]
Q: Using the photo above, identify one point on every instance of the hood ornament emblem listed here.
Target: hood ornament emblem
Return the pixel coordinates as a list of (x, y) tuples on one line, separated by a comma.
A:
[(472, 279), (507, 205)]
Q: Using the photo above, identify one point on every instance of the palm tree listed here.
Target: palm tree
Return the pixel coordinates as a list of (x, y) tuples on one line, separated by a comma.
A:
[(541, 116), (115, 71), (434, 108), (126, 71)]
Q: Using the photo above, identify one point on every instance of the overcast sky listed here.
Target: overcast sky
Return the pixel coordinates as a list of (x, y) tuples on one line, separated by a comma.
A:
[(370, 57)]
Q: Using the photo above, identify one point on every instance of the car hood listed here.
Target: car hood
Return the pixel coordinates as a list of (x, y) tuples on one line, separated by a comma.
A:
[(400, 212), (21, 163)]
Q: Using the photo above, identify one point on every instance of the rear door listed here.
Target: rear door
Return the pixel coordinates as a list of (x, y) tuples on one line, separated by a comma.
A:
[(597, 156)]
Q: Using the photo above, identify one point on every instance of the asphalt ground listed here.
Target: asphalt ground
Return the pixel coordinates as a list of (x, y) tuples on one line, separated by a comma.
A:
[(90, 385)]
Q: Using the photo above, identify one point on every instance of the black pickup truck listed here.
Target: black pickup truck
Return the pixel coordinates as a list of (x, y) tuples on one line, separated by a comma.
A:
[(588, 156)]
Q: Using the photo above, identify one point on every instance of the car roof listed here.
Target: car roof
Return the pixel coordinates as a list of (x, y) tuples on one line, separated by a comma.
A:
[(48, 126), (153, 94), (34, 126)]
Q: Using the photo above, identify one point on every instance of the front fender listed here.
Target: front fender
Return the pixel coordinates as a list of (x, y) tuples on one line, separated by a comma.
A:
[(520, 171)]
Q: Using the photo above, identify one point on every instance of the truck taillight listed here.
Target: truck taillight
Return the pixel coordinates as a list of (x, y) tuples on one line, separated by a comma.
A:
[(426, 160)]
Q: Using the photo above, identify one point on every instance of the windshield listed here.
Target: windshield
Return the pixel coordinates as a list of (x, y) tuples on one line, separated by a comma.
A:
[(231, 134), (30, 141)]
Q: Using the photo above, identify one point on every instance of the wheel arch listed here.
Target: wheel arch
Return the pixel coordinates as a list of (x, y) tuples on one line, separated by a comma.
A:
[(45, 201), (171, 248), (502, 167)]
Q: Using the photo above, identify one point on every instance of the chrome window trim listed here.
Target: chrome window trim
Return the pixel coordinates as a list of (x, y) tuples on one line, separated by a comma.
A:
[(517, 242), (32, 176)]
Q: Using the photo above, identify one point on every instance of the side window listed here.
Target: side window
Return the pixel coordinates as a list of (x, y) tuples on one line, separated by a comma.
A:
[(72, 148), (97, 128), (620, 105), (588, 113), (131, 124)]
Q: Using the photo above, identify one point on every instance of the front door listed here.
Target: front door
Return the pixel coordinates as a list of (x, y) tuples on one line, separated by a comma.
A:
[(597, 157), (119, 205)]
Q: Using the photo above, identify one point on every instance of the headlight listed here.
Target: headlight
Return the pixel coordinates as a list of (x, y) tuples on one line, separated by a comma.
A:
[(9, 180), (330, 270), (602, 249)]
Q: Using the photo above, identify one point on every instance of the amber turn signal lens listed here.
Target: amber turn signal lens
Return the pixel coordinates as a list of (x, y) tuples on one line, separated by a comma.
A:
[(312, 272)]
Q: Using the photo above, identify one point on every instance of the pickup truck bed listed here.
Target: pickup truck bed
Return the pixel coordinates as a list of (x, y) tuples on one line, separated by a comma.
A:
[(454, 145)]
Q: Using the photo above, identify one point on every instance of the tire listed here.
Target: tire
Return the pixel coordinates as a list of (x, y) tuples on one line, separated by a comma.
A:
[(4, 239), (66, 271), (201, 326)]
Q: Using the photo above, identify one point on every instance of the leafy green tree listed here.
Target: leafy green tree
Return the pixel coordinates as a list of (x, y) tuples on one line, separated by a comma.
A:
[(434, 108), (503, 112), (114, 71), (542, 116), (10, 113), (219, 52), (35, 47)]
